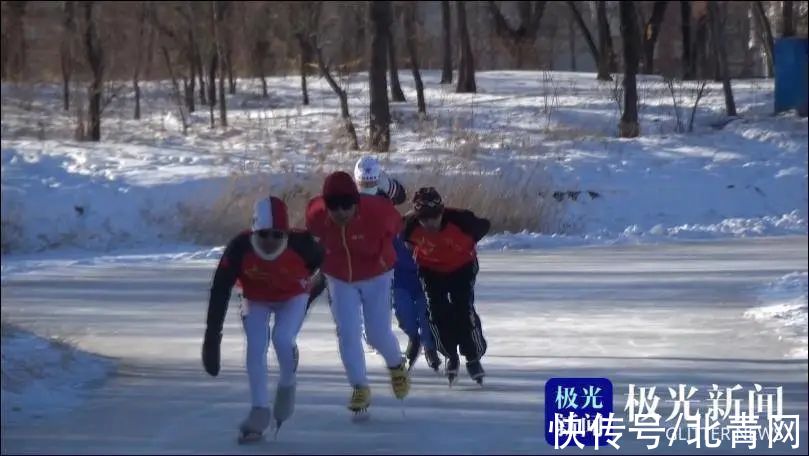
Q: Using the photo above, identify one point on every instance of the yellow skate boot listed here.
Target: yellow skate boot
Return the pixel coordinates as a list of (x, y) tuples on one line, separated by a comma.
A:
[(400, 381)]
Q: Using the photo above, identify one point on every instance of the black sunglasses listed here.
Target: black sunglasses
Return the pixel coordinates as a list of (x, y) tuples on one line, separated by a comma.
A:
[(275, 234), (343, 202), (428, 213)]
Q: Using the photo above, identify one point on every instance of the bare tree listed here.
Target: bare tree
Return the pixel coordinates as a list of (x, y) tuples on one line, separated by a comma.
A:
[(518, 40), (260, 43), (14, 46), (409, 19), (95, 60), (651, 30), (219, 11), (721, 55), (227, 43), (606, 53), (629, 126), (139, 55), (446, 29), (787, 19), (466, 65), (176, 90), (66, 52), (685, 32), (305, 16), (396, 93), (380, 16), (766, 30), (325, 71), (588, 38)]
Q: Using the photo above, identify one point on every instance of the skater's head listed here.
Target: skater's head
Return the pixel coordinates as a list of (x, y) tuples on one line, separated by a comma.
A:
[(428, 207), (270, 227), (341, 197), (367, 173)]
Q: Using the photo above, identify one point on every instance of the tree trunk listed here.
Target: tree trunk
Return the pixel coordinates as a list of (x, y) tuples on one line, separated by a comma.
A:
[(588, 37), (212, 70), (787, 19), (203, 99), (220, 8), (66, 50), (446, 28), (229, 60), (571, 34), (14, 46), (517, 40), (685, 32), (312, 48), (721, 55), (699, 53), (629, 127), (304, 60), (95, 60), (139, 58), (409, 17), (190, 86), (606, 55), (380, 15), (396, 93), (651, 31), (767, 38), (177, 97), (466, 66)]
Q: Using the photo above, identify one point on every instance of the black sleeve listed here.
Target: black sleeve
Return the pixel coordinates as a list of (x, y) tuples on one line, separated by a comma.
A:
[(310, 251), (224, 278), (410, 223), (469, 223), (396, 192), (318, 285)]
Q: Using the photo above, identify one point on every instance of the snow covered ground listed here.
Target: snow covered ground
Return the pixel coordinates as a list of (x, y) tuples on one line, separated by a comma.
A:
[(650, 261), (644, 314), (538, 147), (43, 376)]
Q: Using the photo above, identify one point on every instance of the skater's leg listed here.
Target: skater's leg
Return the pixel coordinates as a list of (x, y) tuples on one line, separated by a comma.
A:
[(256, 322), (405, 311), (439, 314), (346, 308), (375, 294), (288, 319), (462, 294), (420, 309)]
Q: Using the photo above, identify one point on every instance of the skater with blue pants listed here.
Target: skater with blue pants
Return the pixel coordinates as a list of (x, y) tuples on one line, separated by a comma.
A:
[(410, 306)]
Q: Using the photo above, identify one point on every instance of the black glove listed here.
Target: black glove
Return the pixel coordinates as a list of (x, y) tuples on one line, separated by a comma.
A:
[(210, 352)]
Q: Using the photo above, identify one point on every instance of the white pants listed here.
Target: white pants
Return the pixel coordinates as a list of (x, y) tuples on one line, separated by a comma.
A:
[(289, 316), (368, 301)]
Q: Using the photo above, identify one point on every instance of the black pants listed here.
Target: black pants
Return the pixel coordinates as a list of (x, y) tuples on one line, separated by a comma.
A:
[(451, 311)]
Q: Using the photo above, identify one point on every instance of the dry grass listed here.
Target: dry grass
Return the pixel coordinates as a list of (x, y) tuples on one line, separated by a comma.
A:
[(511, 202)]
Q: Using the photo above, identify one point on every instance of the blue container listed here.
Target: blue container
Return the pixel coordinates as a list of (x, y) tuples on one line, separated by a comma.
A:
[(791, 75)]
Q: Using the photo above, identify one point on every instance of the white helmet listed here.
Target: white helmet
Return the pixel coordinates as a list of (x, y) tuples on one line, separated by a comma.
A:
[(367, 173)]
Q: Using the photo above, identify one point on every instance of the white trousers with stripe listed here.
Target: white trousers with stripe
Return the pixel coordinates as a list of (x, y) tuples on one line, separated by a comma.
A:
[(256, 315), (369, 302)]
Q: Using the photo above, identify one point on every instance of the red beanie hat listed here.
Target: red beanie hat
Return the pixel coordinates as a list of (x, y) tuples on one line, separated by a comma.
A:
[(340, 184)]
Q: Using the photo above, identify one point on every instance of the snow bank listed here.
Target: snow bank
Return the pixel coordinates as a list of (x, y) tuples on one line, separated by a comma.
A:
[(783, 311), (44, 376), (544, 139)]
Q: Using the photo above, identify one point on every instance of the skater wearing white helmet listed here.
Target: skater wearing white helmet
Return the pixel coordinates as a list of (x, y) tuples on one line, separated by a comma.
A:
[(273, 265), (371, 180)]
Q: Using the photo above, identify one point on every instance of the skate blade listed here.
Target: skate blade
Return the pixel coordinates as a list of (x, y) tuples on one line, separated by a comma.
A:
[(250, 437), (453, 379), (360, 416)]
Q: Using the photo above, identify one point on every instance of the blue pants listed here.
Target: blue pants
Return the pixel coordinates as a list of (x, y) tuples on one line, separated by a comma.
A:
[(410, 307)]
